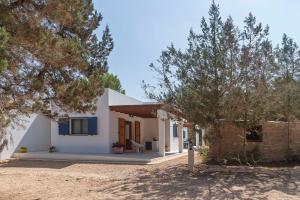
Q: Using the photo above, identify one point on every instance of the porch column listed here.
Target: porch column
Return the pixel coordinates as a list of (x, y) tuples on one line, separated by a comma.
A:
[(203, 137), (161, 117), (180, 137)]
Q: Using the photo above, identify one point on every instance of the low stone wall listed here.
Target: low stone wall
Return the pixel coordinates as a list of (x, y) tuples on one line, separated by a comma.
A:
[(275, 144)]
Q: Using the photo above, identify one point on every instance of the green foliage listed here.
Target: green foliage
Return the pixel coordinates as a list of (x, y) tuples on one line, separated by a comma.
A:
[(49, 53), (197, 79), (204, 153), (3, 38), (228, 73), (286, 84), (251, 158), (3, 44), (111, 81)]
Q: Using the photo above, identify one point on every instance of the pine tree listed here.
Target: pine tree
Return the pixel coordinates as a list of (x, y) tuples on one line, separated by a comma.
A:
[(198, 80), (112, 81), (251, 94), (50, 53), (286, 84)]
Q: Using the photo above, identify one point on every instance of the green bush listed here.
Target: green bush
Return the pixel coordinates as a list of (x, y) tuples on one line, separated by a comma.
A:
[(204, 153)]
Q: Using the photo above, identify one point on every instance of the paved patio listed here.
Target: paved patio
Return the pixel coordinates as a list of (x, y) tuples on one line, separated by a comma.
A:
[(125, 158)]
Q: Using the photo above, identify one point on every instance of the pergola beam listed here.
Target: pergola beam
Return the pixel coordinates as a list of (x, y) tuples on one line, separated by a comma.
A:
[(143, 110)]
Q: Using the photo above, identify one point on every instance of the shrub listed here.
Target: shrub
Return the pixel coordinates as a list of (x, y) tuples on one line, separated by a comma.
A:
[(117, 144), (204, 153), (52, 149), (250, 158)]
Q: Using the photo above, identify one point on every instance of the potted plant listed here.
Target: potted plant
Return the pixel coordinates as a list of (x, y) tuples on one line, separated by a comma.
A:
[(23, 149), (167, 148), (117, 147), (52, 149)]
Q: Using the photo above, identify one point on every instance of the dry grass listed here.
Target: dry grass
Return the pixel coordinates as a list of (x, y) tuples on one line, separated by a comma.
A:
[(169, 180)]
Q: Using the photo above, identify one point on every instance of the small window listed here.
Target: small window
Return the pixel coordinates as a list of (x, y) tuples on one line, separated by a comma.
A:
[(184, 134), (79, 126), (254, 134), (175, 130)]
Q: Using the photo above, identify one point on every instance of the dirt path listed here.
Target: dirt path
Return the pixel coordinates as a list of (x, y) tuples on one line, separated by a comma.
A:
[(169, 180)]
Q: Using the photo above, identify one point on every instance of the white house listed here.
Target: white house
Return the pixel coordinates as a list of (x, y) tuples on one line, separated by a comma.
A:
[(118, 118)]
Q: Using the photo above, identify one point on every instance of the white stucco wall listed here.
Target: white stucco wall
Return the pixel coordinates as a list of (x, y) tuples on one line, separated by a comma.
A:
[(151, 129), (33, 134), (116, 98), (86, 143), (167, 133)]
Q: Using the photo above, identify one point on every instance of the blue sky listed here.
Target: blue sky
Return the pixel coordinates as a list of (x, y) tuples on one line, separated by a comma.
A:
[(141, 29)]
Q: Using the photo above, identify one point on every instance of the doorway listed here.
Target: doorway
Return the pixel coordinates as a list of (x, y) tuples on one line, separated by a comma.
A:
[(137, 131), (128, 135)]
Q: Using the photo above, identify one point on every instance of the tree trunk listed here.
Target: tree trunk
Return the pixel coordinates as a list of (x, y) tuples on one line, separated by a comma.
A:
[(288, 138)]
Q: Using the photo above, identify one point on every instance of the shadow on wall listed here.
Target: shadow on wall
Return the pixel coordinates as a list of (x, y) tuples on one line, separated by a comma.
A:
[(3, 141), (33, 134)]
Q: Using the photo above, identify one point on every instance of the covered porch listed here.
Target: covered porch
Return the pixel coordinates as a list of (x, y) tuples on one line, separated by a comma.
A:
[(152, 126)]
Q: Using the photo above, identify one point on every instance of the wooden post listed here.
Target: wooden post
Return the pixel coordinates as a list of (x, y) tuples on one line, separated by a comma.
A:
[(191, 159)]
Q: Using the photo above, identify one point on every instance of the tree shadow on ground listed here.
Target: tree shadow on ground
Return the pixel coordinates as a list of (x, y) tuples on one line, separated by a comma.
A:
[(36, 164), (177, 182)]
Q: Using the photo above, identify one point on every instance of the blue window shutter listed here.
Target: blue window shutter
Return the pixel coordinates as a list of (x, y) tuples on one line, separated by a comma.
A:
[(63, 126), (92, 123), (174, 130)]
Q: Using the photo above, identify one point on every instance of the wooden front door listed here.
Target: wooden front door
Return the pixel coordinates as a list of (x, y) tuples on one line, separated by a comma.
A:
[(137, 130), (122, 131), (128, 135)]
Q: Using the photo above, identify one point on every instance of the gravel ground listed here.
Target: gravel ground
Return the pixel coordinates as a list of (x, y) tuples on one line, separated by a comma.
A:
[(169, 180)]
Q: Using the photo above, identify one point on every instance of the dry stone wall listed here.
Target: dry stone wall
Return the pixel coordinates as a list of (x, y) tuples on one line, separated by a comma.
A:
[(277, 142)]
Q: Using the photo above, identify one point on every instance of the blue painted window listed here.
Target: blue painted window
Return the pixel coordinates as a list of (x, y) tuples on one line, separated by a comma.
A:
[(175, 130), (92, 121), (78, 126), (84, 126), (63, 126)]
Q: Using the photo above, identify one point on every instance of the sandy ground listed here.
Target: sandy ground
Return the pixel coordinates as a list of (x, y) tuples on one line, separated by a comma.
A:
[(169, 180)]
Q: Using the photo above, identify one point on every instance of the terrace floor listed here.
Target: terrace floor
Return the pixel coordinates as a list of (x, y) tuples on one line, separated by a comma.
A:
[(128, 158)]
